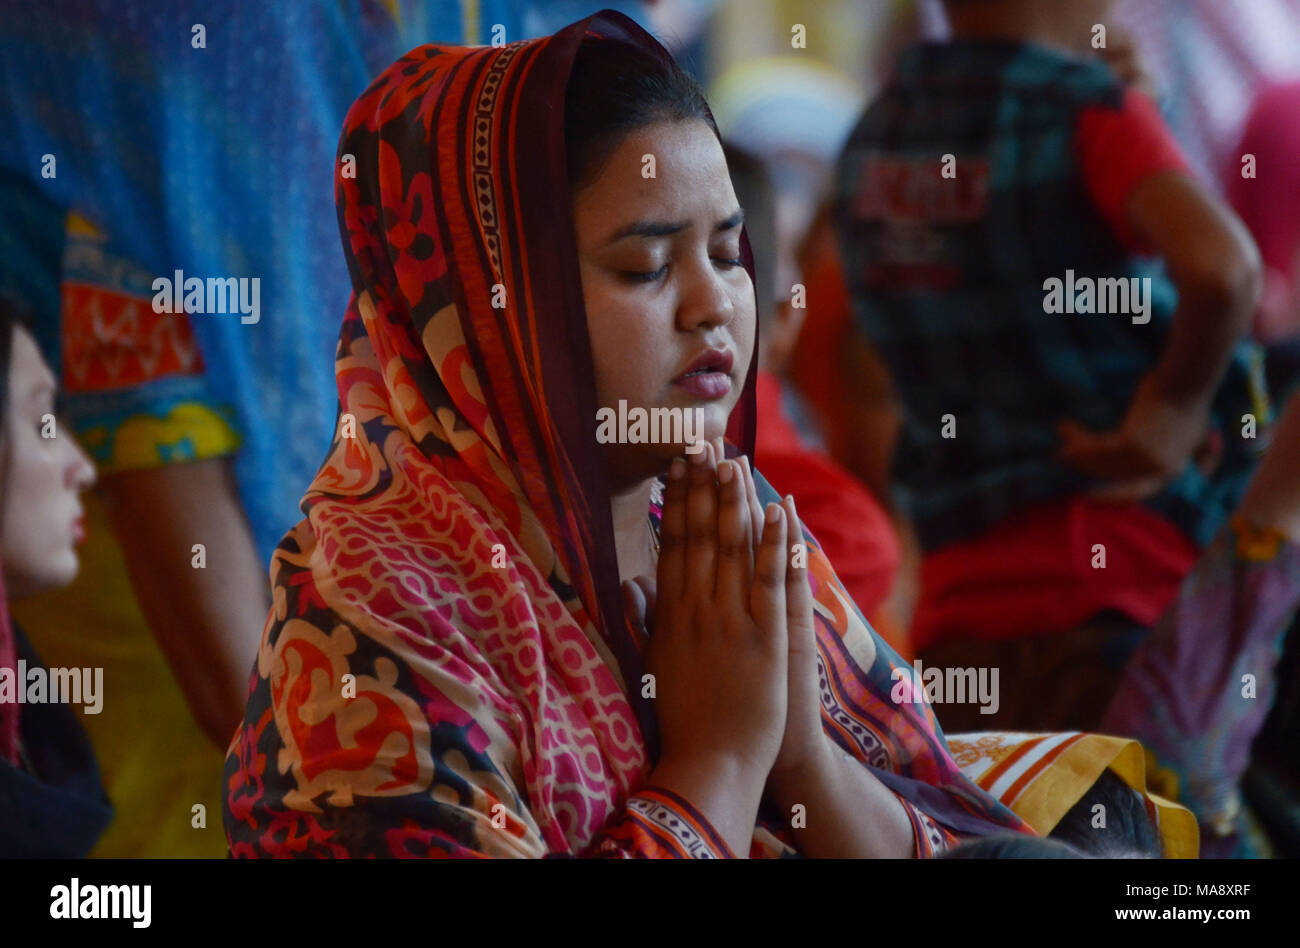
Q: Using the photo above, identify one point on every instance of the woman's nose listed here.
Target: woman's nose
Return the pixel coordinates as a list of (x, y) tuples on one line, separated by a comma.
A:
[(80, 471), (706, 298)]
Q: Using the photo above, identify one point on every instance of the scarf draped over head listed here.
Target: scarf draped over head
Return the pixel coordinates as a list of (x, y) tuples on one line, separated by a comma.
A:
[(447, 668)]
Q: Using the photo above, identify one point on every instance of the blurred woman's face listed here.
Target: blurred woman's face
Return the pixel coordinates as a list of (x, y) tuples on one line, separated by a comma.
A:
[(43, 477), (665, 291)]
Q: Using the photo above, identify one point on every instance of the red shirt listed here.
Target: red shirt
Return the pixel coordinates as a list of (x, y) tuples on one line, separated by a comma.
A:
[(1119, 148)]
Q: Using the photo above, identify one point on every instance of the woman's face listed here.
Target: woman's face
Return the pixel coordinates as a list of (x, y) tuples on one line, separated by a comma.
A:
[(42, 480), (664, 287)]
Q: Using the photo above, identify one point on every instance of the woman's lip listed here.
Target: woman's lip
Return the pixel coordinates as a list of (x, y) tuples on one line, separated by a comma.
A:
[(707, 385), (714, 360), (78, 529)]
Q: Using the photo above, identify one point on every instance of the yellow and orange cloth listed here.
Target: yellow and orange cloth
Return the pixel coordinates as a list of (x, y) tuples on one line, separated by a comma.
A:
[(1041, 776)]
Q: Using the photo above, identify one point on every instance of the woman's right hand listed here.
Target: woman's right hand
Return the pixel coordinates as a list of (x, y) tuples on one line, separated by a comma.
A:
[(718, 650)]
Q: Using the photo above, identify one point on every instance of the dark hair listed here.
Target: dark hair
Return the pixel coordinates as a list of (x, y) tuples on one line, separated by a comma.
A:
[(1128, 831), (1013, 846), (12, 314), (614, 89)]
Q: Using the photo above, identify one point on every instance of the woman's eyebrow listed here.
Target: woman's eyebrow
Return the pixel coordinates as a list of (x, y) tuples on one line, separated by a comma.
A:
[(668, 228), (648, 229)]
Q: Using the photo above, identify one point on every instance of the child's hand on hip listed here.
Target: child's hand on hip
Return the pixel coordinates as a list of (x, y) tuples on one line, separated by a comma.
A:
[(1149, 449)]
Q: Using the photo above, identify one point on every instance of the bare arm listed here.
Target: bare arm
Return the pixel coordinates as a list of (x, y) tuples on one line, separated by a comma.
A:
[(848, 812), (207, 621), (1216, 267)]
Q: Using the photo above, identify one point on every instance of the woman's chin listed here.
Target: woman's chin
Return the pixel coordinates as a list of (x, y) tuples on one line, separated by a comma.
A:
[(650, 449), (711, 420), (58, 572)]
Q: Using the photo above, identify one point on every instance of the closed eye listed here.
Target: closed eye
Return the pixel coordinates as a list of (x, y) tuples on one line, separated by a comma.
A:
[(638, 276)]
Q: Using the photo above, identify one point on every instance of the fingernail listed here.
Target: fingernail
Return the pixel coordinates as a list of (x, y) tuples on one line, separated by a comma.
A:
[(677, 470), (773, 513), (726, 472)]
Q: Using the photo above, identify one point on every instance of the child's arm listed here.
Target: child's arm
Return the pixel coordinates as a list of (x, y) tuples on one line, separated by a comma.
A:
[(1216, 268), (206, 621), (1214, 263)]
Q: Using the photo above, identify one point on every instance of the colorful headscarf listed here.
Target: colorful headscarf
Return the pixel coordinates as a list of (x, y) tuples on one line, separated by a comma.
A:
[(448, 668)]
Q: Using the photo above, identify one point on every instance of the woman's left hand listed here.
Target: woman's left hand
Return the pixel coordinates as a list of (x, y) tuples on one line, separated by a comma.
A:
[(804, 746)]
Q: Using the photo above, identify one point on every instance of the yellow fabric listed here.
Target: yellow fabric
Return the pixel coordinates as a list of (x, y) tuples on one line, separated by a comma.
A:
[(1041, 776), (155, 761), (188, 432), (1257, 544)]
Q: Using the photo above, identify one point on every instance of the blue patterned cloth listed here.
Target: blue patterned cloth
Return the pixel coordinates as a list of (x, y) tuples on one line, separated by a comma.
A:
[(214, 158)]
